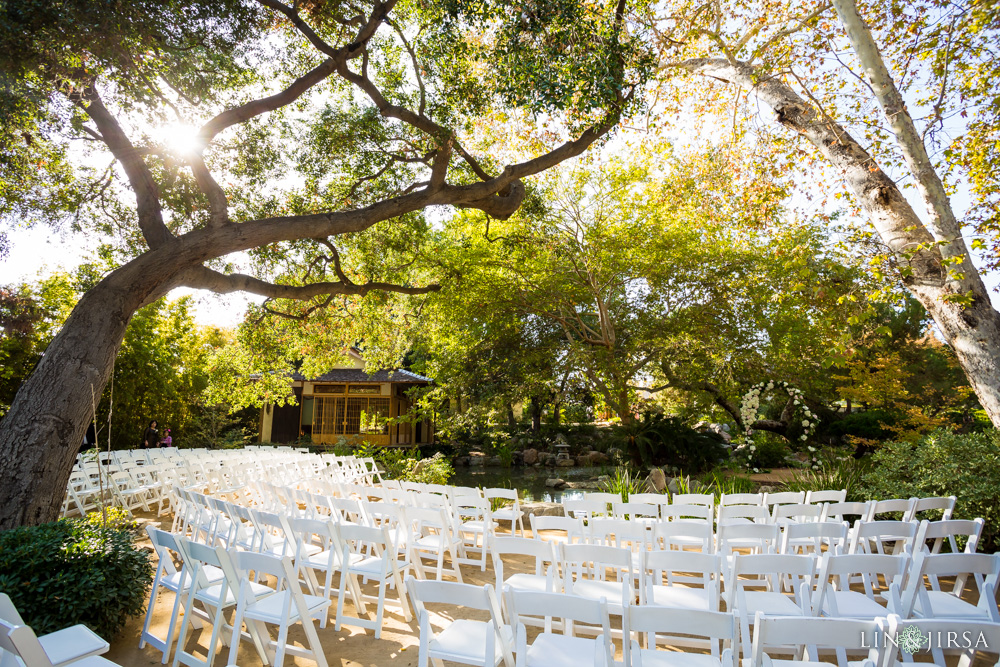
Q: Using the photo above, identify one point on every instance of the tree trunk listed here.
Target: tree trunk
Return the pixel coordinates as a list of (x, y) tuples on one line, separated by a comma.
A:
[(42, 432), (511, 421), (972, 330), (536, 415)]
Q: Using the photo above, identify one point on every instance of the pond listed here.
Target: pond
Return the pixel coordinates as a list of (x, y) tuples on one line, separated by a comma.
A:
[(530, 482)]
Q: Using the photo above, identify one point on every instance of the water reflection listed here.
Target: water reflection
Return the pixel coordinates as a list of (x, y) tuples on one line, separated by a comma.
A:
[(530, 482)]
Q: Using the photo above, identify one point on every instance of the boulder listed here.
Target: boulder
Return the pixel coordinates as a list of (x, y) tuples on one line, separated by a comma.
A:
[(565, 463), (477, 459), (598, 458), (493, 461), (530, 456), (555, 483), (541, 509), (673, 486), (462, 461), (657, 480)]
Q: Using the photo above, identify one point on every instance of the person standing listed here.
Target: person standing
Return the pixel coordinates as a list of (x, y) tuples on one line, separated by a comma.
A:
[(167, 440), (151, 437)]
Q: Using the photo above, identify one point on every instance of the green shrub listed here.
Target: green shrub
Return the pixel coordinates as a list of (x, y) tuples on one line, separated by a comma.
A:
[(435, 470), (943, 463), (867, 425), (73, 571), (656, 440)]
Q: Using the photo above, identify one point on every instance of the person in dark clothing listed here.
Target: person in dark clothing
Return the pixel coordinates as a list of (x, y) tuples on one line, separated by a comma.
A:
[(151, 438)]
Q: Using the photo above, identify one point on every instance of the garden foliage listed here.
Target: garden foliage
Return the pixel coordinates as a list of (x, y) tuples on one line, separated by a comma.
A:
[(657, 440), (75, 571)]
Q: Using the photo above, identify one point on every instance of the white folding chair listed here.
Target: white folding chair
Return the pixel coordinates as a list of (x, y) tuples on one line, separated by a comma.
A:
[(433, 535), (809, 538), (381, 565), (683, 534), (566, 650), (168, 578), (690, 513), (900, 506), (808, 634), (727, 499), (470, 642), (586, 508), (943, 504), (919, 601), (939, 531), (545, 559), (598, 572), (826, 496), (215, 598), (62, 647), (741, 514), (572, 529), (796, 513), (506, 507), (474, 524), (877, 536), (284, 606), (681, 579), (636, 511), (326, 562), (707, 499), (20, 643), (776, 584), (882, 577), (716, 629), (784, 498), (846, 511), (758, 538)]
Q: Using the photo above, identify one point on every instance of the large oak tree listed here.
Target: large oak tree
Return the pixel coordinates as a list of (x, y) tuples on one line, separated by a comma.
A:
[(312, 120)]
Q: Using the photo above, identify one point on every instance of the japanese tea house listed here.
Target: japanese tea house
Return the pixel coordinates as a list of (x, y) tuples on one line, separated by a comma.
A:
[(349, 401)]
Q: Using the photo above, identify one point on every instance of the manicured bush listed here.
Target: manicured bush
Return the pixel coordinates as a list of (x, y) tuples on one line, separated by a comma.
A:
[(75, 571), (943, 463)]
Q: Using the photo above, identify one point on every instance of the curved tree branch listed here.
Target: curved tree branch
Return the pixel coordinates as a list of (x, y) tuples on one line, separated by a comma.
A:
[(147, 192), (205, 278)]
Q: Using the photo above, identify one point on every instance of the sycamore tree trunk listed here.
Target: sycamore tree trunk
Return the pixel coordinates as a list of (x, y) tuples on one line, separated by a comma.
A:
[(44, 429), (959, 303)]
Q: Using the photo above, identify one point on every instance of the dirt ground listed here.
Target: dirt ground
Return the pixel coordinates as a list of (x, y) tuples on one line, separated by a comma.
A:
[(351, 647)]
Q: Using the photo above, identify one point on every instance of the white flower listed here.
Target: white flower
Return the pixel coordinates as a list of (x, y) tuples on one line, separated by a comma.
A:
[(811, 449), (803, 438), (805, 423), (753, 448), (756, 469), (815, 467), (770, 385)]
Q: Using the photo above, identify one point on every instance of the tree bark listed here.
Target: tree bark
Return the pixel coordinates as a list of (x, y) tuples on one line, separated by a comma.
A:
[(46, 423), (536, 415), (972, 330)]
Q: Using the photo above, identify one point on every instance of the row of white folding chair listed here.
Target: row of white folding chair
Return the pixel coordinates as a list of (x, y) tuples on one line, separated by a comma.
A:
[(218, 579), (489, 642), (828, 592)]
